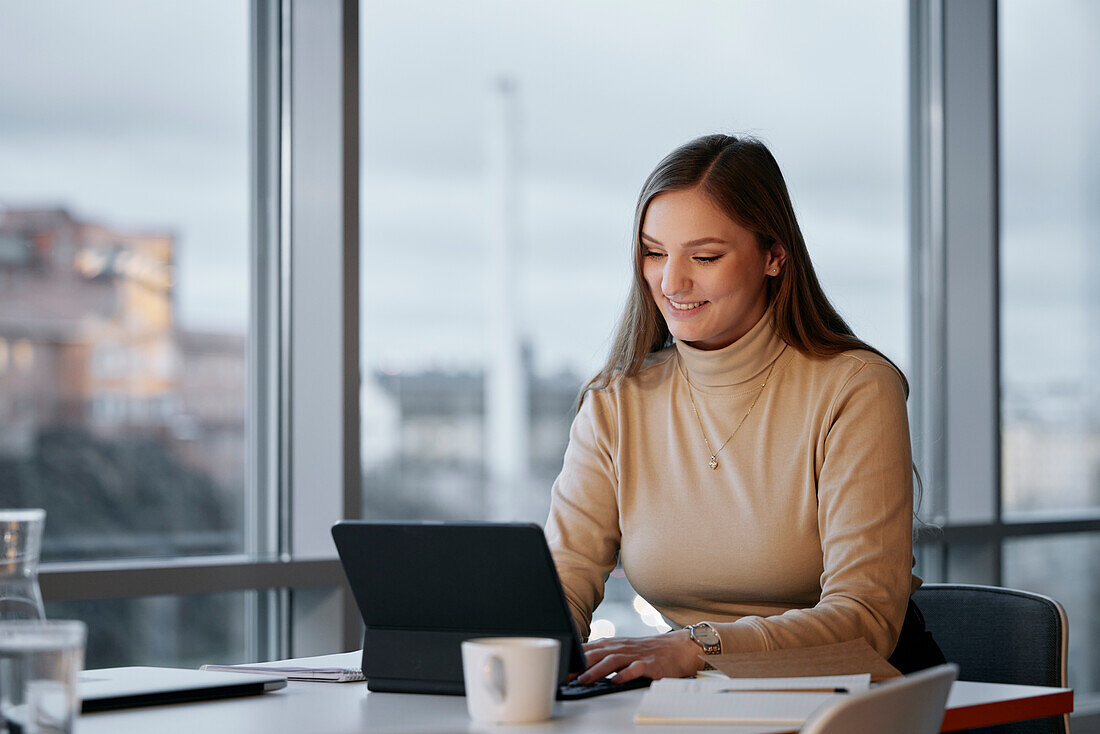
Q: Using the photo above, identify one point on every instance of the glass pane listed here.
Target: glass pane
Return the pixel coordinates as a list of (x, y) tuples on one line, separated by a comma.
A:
[(174, 631), (1028, 564), (124, 205), (1050, 259), (483, 313)]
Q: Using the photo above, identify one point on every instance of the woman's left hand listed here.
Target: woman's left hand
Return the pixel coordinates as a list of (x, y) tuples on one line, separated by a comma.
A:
[(672, 655)]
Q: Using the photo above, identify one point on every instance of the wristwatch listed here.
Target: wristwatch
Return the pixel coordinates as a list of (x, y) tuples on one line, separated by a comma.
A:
[(706, 637)]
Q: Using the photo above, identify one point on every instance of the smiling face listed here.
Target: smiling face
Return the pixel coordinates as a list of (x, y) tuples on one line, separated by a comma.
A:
[(706, 273)]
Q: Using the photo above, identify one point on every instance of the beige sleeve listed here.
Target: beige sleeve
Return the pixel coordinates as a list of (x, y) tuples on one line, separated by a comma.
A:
[(583, 527), (865, 506)]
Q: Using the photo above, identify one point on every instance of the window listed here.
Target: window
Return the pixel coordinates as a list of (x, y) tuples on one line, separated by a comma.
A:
[(1050, 311), (188, 630), (145, 157), (1004, 423), (1050, 263), (124, 231), (502, 151)]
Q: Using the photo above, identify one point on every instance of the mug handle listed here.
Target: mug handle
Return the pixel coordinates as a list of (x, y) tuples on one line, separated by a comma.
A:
[(494, 679)]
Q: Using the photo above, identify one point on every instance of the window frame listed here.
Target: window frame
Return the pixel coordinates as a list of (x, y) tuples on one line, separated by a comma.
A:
[(303, 381), (955, 210)]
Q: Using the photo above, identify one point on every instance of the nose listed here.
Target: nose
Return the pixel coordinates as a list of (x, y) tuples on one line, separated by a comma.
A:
[(674, 279)]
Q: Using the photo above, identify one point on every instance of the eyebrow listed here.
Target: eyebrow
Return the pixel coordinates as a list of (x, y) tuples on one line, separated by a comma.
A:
[(692, 243)]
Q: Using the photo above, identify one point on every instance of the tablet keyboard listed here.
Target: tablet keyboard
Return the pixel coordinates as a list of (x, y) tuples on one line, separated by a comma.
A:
[(573, 690)]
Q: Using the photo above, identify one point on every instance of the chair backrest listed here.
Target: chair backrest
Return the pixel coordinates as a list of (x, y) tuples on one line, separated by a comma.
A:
[(910, 705), (1000, 635)]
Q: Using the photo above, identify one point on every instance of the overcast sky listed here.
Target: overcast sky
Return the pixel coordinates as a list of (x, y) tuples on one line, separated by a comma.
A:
[(134, 113), (604, 91)]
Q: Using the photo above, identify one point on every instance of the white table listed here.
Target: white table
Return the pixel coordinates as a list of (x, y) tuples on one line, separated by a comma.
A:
[(344, 708)]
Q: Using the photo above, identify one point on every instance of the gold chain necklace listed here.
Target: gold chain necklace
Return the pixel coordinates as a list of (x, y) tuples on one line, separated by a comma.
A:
[(713, 463)]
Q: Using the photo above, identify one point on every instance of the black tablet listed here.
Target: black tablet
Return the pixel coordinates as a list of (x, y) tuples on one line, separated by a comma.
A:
[(423, 588)]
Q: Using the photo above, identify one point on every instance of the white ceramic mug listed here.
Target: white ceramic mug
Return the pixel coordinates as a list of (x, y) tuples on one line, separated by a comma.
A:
[(510, 680)]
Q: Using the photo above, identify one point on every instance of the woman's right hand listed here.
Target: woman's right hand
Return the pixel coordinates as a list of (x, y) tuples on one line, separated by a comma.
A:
[(671, 655)]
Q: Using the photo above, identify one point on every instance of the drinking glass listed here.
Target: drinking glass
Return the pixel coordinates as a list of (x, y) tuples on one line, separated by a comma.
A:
[(40, 664)]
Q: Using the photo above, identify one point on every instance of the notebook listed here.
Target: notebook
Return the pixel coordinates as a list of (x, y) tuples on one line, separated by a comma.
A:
[(760, 701), (115, 688), (423, 588)]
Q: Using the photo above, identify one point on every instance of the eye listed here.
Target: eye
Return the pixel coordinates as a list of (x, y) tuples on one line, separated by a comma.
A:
[(653, 254), (708, 259)]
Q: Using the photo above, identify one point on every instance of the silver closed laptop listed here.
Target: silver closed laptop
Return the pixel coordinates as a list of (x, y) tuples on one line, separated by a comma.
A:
[(114, 688)]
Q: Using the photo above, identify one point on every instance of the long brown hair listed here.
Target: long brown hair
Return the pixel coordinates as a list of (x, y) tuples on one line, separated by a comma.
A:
[(742, 178)]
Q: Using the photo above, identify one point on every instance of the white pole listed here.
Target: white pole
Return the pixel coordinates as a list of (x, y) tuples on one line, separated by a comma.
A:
[(506, 450)]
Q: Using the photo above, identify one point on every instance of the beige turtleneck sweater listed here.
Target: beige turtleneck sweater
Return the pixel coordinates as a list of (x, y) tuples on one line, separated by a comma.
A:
[(803, 534)]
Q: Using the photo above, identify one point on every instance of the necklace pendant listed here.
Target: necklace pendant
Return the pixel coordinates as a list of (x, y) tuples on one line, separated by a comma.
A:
[(714, 462)]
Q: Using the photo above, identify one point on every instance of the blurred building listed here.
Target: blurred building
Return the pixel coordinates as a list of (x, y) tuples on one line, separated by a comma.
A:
[(208, 420), (87, 325), (437, 464), (150, 417)]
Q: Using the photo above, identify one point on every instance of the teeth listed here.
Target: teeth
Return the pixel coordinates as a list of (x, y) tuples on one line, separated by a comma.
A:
[(686, 306)]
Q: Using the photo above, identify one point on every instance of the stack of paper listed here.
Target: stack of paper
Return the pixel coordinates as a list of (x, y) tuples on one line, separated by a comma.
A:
[(743, 700), (339, 668), (841, 658)]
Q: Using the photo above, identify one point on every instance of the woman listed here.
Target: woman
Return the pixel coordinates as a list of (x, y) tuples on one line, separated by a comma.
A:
[(742, 453)]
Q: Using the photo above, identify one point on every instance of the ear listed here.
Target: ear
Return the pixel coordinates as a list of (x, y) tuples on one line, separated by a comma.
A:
[(777, 258)]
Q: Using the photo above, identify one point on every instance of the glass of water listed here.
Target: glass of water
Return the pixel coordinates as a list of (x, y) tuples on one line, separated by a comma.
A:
[(40, 664)]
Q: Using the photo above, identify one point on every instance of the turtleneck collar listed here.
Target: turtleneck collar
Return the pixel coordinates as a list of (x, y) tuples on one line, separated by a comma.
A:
[(732, 366)]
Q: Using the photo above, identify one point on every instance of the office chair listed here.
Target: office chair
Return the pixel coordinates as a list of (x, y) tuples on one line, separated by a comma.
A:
[(1000, 636), (910, 705)]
